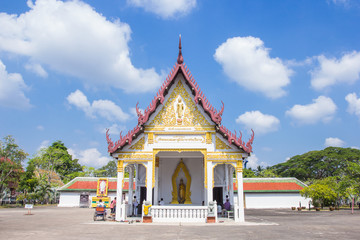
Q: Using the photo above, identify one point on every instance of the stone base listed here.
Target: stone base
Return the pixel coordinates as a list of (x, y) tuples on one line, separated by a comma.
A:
[(211, 220), (147, 219)]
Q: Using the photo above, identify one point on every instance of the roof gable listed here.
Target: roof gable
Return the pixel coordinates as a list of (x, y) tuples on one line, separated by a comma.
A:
[(199, 98), (179, 110)]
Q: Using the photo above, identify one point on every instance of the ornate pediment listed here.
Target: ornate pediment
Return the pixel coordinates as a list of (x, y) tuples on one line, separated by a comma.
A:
[(179, 110)]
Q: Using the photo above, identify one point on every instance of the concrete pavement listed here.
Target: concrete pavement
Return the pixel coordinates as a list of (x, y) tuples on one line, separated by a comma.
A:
[(77, 223)]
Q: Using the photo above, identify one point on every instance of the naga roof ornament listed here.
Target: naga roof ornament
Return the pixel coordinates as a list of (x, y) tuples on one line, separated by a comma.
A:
[(199, 98)]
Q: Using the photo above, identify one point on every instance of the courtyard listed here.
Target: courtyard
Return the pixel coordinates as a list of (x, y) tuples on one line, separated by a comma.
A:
[(77, 223)]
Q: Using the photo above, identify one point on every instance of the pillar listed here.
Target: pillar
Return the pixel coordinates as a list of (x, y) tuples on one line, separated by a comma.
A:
[(119, 214), (131, 185), (149, 177), (240, 196), (156, 189), (231, 185), (209, 182), (226, 189)]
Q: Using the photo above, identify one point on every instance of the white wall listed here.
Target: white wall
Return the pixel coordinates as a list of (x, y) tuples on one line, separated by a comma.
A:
[(72, 199), (274, 200), (167, 167)]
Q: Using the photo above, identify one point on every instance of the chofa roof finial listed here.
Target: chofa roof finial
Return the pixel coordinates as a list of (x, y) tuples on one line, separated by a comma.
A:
[(180, 58)]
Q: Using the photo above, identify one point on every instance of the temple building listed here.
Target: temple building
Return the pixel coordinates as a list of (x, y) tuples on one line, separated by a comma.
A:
[(181, 153)]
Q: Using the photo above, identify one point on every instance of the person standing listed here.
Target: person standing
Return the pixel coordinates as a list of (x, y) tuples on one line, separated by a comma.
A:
[(135, 206)]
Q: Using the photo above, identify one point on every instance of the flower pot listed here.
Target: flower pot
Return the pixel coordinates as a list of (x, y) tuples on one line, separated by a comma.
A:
[(317, 209), (331, 208), (299, 208), (293, 208)]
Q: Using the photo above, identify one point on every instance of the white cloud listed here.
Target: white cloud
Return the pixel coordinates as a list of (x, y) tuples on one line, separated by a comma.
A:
[(353, 104), (252, 161), (12, 87), (259, 122), (334, 142), (103, 108), (43, 144), (113, 129), (72, 38), (336, 71), (246, 61), (165, 8), (322, 109), (37, 69), (40, 128), (90, 157)]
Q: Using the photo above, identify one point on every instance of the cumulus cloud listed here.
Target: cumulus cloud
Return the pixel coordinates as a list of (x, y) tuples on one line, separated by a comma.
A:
[(113, 129), (322, 109), (37, 69), (165, 8), (72, 38), (353, 104), (333, 71), (89, 157), (12, 88), (334, 142), (246, 61), (43, 144), (103, 108), (252, 161), (259, 122)]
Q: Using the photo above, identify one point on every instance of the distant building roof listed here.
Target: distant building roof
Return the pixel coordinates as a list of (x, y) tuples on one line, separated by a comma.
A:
[(250, 185)]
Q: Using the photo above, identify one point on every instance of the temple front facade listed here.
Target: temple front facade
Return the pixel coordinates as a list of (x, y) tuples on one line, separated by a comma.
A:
[(182, 159)]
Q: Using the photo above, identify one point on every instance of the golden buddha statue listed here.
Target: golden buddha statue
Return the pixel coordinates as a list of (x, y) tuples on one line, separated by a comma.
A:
[(182, 191)]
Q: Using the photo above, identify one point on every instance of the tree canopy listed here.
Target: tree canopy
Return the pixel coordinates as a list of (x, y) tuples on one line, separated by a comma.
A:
[(332, 161)]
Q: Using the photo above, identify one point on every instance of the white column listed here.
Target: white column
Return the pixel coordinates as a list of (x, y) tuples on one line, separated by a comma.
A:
[(209, 182), (149, 176), (137, 180), (131, 190), (156, 189), (226, 190), (240, 195), (231, 186), (119, 201)]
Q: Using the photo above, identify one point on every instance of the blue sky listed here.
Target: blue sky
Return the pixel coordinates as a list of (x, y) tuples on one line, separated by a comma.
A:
[(288, 69)]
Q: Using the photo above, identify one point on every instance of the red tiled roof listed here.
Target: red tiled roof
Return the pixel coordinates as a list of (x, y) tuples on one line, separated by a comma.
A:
[(92, 185), (265, 185)]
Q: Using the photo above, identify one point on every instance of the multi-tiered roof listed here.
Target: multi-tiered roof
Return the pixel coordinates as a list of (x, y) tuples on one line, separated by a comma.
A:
[(199, 98)]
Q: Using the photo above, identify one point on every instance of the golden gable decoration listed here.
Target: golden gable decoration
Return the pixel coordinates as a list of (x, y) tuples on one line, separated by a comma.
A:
[(220, 144), (170, 116), (139, 145)]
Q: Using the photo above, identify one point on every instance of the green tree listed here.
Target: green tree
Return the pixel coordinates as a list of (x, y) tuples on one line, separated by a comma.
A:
[(110, 169), (248, 173), (321, 192), (11, 158), (332, 161), (56, 158), (29, 181)]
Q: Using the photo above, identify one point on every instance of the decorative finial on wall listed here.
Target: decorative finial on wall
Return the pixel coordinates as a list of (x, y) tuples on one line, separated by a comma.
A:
[(180, 58)]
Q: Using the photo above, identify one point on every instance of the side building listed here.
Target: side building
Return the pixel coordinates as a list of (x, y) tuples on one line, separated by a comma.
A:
[(259, 192)]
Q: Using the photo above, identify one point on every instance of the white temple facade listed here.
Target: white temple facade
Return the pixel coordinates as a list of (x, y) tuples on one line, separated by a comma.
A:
[(180, 153)]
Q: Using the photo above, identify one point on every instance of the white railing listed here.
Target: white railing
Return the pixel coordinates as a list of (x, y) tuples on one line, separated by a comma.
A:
[(179, 213)]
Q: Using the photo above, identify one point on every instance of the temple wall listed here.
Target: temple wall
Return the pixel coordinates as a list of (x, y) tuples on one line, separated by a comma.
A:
[(167, 167), (274, 200)]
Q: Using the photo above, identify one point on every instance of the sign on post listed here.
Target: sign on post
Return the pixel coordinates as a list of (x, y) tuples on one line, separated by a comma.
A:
[(29, 207)]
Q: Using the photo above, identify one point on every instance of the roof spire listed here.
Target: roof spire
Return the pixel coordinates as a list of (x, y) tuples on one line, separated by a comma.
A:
[(180, 58)]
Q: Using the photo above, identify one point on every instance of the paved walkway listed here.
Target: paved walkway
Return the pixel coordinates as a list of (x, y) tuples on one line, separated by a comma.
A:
[(77, 223)]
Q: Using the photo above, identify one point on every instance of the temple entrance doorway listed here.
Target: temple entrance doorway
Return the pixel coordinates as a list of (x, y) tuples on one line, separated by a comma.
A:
[(142, 198), (176, 169), (218, 195)]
